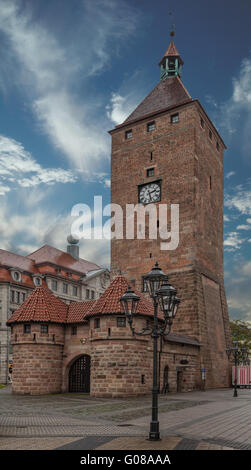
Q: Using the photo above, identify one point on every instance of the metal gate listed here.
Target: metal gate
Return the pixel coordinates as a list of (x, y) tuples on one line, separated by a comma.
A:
[(79, 375)]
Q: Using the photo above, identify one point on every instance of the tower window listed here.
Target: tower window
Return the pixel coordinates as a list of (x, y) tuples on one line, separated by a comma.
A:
[(150, 172), (121, 322), (210, 135), (144, 286), (151, 126), (171, 64), (202, 123), (73, 330), (175, 118), (97, 323), (128, 134), (210, 182), (27, 328), (44, 329), (151, 156)]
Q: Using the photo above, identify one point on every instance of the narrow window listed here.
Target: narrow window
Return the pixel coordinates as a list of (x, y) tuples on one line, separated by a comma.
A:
[(27, 328), (93, 294), (109, 331), (121, 322), (151, 156), (175, 118), (150, 255), (23, 296), (54, 284), (202, 123), (210, 135), (87, 294), (150, 172), (144, 286), (74, 330), (17, 297), (12, 296), (97, 323), (142, 379), (210, 182), (151, 126), (217, 146), (44, 329), (128, 134), (65, 288)]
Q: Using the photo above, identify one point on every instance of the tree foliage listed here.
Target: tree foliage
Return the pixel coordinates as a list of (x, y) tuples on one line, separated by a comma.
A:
[(241, 331)]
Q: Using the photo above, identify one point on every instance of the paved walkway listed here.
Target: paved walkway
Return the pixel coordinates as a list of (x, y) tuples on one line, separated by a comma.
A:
[(196, 420)]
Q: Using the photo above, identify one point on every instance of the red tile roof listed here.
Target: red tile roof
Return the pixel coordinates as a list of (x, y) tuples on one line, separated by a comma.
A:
[(49, 254), (167, 94), (41, 306), (78, 310), (108, 302)]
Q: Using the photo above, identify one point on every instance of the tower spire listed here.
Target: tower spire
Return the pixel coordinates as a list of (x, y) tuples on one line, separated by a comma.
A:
[(171, 62)]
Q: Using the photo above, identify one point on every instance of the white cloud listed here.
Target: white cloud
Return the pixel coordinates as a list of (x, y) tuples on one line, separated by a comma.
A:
[(18, 166), (120, 107), (226, 218), (237, 110), (240, 200), (229, 174), (52, 71), (243, 227), (233, 241)]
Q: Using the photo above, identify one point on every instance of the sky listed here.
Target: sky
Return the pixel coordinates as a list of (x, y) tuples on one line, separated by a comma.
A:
[(72, 70)]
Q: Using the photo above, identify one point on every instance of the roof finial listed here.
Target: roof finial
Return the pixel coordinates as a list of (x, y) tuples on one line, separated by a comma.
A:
[(172, 32)]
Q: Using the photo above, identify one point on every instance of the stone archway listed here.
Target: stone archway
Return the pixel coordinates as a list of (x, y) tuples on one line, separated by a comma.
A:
[(79, 375)]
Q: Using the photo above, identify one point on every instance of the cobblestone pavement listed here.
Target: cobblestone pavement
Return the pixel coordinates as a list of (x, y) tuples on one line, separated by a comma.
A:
[(196, 420)]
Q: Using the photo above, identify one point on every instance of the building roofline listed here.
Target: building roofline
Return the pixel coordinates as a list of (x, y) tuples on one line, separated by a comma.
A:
[(149, 115), (167, 109)]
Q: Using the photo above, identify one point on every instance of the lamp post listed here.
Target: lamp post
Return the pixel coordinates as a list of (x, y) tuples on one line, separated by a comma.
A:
[(163, 295), (239, 355)]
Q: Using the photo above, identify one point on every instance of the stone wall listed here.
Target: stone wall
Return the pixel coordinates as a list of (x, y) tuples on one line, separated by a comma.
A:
[(37, 361)]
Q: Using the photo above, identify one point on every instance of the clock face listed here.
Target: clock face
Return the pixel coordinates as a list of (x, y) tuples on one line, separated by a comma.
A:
[(149, 193)]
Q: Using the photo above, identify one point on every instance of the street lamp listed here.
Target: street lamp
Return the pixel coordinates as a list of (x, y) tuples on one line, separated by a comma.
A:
[(164, 296), (240, 355)]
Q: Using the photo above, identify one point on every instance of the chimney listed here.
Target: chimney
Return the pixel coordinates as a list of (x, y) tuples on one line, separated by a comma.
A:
[(73, 248)]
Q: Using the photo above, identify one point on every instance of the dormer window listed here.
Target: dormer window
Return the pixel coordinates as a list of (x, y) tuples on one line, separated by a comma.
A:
[(37, 281), (16, 276)]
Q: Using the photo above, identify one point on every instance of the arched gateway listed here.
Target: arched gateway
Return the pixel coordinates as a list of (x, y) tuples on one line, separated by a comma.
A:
[(79, 375)]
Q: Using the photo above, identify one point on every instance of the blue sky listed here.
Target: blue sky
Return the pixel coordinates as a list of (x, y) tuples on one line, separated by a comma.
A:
[(72, 70)]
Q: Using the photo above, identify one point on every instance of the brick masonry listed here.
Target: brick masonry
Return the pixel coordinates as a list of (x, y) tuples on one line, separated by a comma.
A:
[(187, 156)]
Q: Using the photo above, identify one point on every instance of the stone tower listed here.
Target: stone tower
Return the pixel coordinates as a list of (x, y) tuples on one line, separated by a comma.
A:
[(169, 152)]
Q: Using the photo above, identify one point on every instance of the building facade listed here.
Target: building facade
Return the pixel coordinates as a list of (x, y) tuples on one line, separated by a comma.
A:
[(70, 278)]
